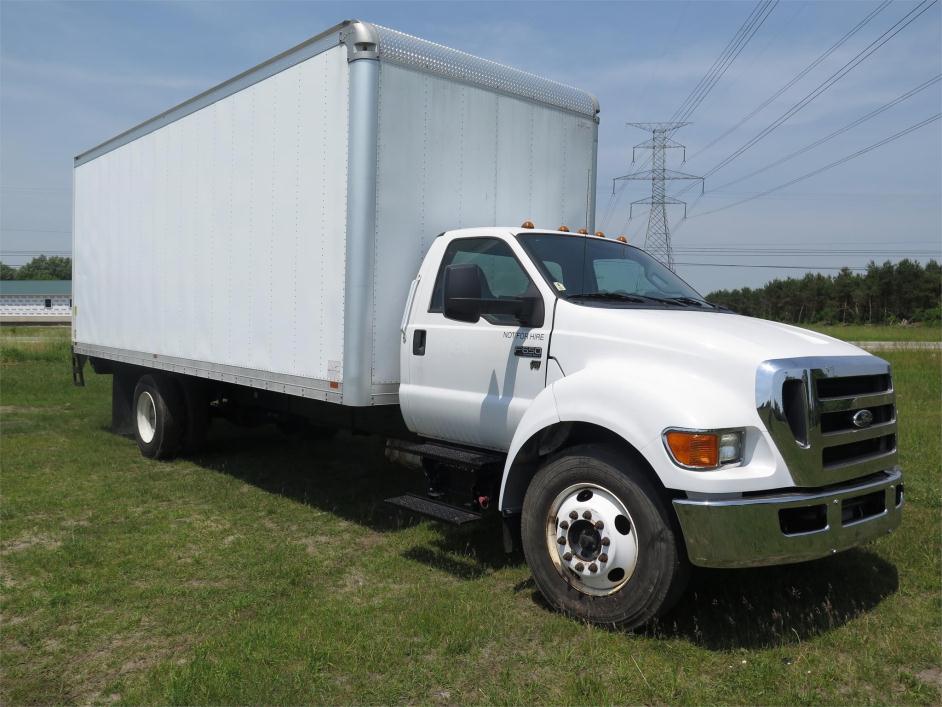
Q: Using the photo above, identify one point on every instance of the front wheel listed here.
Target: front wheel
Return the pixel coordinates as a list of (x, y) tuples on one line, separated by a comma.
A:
[(600, 540)]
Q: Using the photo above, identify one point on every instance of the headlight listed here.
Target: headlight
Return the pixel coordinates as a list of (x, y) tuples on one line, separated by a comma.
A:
[(704, 450)]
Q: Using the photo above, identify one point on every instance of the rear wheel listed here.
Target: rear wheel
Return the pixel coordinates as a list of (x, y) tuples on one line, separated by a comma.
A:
[(600, 539), (158, 416)]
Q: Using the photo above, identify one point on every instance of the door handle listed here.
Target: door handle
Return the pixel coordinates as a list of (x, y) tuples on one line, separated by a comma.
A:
[(418, 342)]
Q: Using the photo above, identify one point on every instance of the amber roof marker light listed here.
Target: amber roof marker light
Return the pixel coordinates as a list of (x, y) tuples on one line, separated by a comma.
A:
[(600, 234), (583, 231), (527, 224), (621, 239), (564, 229)]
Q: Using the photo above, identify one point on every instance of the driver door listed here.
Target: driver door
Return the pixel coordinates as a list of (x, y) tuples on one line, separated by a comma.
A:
[(470, 383)]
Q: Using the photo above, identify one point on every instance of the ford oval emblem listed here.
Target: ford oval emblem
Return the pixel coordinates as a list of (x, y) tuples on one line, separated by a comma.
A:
[(863, 418)]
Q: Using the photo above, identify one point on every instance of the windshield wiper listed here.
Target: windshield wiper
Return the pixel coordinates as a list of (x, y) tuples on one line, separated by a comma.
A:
[(689, 300), (617, 296)]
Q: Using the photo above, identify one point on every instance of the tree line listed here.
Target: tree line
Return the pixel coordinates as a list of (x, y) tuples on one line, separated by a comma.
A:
[(39, 268), (885, 294)]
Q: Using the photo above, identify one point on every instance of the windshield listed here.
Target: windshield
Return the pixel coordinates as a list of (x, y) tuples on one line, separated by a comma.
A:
[(593, 269)]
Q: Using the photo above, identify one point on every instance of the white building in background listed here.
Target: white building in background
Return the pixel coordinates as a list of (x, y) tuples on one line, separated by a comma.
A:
[(35, 301)]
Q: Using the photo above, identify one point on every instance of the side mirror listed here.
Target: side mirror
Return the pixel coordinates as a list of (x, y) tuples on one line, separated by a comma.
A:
[(463, 287), (462, 292)]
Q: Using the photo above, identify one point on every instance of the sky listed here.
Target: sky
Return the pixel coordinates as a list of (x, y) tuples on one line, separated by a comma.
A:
[(76, 73)]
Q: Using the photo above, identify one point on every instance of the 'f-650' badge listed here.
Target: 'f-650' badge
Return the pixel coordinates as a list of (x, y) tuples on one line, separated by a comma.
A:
[(863, 418)]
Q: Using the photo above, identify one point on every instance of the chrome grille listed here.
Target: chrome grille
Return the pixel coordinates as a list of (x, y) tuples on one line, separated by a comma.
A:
[(809, 406)]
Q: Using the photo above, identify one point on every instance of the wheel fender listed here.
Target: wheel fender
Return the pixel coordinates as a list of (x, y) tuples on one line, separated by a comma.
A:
[(539, 415), (637, 408)]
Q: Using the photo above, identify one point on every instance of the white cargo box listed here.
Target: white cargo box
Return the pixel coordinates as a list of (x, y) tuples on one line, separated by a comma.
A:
[(266, 232)]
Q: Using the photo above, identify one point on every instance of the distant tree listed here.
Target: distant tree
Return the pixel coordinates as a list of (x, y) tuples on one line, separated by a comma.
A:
[(7, 272), (43, 268), (884, 294)]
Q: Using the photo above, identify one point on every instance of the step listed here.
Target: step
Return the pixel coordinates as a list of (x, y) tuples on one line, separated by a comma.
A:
[(460, 457), (425, 506)]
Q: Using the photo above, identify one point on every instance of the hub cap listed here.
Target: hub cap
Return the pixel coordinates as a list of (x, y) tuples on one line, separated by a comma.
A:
[(592, 539), (146, 417)]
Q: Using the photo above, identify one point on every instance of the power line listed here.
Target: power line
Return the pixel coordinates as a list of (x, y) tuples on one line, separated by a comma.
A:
[(826, 167), (865, 53), (800, 75), (733, 49), (839, 131)]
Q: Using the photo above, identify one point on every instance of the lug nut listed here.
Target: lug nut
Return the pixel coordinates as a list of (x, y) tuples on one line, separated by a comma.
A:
[(587, 515), (573, 515), (561, 541), (593, 567), (606, 542), (603, 557), (567, 556), (599, 525), (579, 567), (564, 524)]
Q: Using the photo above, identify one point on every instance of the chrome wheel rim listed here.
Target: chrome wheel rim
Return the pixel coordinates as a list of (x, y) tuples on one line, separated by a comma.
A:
[(146, 417), (592, 539)]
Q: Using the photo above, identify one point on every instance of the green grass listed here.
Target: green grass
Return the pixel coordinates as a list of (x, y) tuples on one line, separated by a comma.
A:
[(268, 571), (864, 332), (32, 343)]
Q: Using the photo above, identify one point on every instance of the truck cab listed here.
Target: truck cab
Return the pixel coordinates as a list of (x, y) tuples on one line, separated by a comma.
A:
[(643, 427)]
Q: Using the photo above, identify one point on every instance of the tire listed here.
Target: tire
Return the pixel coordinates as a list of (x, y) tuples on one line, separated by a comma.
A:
[(159, 415), (638, 537)]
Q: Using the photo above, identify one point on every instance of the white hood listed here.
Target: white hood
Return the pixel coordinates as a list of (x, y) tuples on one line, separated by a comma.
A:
[(672, 333)]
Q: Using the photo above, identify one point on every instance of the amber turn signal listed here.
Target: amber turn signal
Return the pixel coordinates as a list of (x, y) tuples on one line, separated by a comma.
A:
[(527, 224), (698, 450)]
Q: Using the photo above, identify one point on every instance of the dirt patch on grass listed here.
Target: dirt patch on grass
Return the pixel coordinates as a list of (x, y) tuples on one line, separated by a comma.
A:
[(314, 544), (22, 409), (31, 540), (931, 677), (353, 582)]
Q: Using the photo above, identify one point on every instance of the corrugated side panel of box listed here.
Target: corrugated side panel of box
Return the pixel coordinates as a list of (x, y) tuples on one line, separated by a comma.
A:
[(219, 239)]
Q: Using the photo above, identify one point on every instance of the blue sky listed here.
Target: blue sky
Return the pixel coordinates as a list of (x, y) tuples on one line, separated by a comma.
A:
[(74, 74)]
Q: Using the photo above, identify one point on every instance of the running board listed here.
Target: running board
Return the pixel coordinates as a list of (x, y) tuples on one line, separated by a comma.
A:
[(434, 509), (458, 457)]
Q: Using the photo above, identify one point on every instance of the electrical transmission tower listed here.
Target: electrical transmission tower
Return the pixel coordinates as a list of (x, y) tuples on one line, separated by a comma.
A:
[(657, 239)]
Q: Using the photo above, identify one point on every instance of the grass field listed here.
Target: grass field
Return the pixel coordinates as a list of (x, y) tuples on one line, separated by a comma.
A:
[(268, 570), (863, 332)]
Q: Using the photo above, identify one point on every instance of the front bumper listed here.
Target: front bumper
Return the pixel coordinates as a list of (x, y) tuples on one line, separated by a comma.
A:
[(787, 526)]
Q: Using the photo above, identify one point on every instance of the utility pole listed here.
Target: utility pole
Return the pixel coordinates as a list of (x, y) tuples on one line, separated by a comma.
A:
[(657, 239)]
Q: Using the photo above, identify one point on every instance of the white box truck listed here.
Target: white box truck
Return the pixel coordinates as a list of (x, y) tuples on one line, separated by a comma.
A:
[(322, 241)]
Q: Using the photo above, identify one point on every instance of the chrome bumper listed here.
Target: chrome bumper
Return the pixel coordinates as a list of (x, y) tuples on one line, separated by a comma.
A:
[(789, 527)]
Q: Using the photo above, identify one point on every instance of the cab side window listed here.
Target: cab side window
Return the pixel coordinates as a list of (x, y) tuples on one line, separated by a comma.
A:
[(504, 277)]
